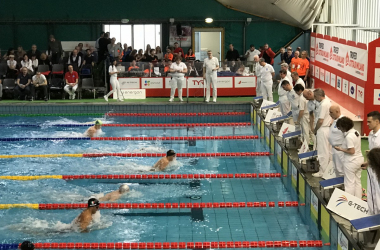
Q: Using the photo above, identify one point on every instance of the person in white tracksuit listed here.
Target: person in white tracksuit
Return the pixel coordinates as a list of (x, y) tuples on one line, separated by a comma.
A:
[(312, 108), (293, 98), (210, 69), (303, 115), (114, 83), (352, 158), (321, 131), (267, 74), (282, 93), (257, 69), (336, 138), (178, 71)]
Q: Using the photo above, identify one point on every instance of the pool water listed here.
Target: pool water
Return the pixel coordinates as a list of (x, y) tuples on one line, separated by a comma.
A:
[(143, 225)]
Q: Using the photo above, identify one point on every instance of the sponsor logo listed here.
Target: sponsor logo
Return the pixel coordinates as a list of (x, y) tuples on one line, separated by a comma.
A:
[(197, 82), (335, 56), (338, 83), (352, 90), (378, 98), (360, 93), (341, 200), (285, 130), (320, 51), (351, 62), (239, 82), (147, 83)]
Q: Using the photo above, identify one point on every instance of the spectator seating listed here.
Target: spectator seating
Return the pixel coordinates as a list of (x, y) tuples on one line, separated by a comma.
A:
[(8, 85)]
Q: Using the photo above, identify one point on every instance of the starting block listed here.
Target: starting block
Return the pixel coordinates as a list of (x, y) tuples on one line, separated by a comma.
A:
[(257, 101), (365, 224), (279, 121), (330, 184), (312, 164), (293, 138), (275, 105)]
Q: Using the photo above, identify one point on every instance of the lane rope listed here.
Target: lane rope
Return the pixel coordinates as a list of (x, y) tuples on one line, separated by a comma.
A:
[(140, 138), (144, 176), (178, 114), (91, 155)]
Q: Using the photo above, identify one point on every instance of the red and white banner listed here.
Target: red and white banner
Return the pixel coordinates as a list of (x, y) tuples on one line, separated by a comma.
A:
[(351, 60)]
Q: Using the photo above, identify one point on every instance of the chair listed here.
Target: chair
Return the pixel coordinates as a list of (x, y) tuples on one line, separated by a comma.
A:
[(57, 82), (3, 69), (44, 69), (87, 83), (86, 71), (58, 69), (8, 85)]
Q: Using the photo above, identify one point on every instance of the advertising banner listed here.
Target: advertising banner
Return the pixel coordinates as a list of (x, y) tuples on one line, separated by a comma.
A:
[(129, 83), (131, 94), (225, 82), (347, 205), (152, 83), (244, 82), (345, 58)]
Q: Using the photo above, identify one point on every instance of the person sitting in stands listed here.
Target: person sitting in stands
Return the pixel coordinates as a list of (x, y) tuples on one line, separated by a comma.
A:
[(27, 63), (44, 60), (80, 49), (12, 67), (75, 60), (224, 68), (39, 82), (168, 64), (71, 79), (159, 53), (233, 66), (10, 51), (241, 71), (133, 66), (140, 55), (149, 73), (190, 55), (115, 195), (34, 62), (131, 56), (20, 53), (168, 55), (88, 58), (22, 89), (191, 71), (178, 50), (152, 56), (34, 51)]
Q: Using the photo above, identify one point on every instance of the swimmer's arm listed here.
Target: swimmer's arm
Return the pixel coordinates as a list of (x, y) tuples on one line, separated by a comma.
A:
[(86, 220), (104, 198), (157, 165), (91, 132), (164, 165)]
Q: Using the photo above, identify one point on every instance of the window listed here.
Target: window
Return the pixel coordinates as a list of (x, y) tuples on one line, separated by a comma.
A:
[(136, 35)]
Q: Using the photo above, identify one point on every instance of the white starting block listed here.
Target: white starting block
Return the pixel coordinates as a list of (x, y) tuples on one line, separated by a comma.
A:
[(269, 106), (279, 121), (312, 165), (293, 139), (330, 184)]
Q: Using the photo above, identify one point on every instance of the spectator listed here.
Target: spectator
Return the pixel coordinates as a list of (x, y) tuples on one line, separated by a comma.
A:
[(191, 71), (303, 68), (34, 51), (125, 52), (151, 57), (268, 54), (282, 93), (285, 66), (289, 55), (282, 56), (321, 130), (210, 68), (292, 98), (250, 54), (97, 41), (190, 55), (114, 50), (178, 50), (20, 53), (71, 80), (22, 89), (75, 60), (80, 50), (114, 83), (303, 116), (147, 50), (267, 73), (132, 56), (103, 43), (1, 90), (39, 82), (242, 71), (297, 79), (168, 55), (233, 66), (149, 72), (257, 71), (352, 158), (44, 60), (133, 65), (298, 49), (168, 64), (27, 63), (295, 64), (10, 51), (224, 68), (55, 49), (34, 62), (159, 54), (88, 58), (336, 138), (12, 67), (232, 54), (139, 55), (94, 54)]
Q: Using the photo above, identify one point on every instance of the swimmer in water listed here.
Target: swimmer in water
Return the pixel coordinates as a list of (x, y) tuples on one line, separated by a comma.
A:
[(27, 245), (162, 164), (93, 130), (115, 195), (85, 218)]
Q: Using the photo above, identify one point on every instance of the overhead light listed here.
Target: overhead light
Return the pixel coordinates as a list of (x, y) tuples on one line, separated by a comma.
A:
[(124, 20), (249, 20), (209, 20), (171, 20)]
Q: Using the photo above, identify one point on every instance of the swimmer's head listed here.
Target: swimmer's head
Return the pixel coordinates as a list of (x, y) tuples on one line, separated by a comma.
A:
[(93, 204), (170, 155), (98, 124), (27, 245), (124, 188)]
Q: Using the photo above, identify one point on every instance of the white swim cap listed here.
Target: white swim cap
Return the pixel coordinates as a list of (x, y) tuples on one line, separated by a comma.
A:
[(123, 188)]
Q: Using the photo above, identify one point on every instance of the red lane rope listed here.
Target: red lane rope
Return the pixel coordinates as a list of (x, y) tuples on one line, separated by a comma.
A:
[(183, 245), (173, 176), (237, 154), (175, 138), (55, 206), (177, 114), (180, 124)]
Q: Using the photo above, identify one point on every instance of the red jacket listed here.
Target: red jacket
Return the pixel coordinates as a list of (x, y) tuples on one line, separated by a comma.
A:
[(269, 53)]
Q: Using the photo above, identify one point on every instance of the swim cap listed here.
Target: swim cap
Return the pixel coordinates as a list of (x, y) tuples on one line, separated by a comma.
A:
[(27, 245), (98, 122), (93, 202), (123, 188), (170, 152)]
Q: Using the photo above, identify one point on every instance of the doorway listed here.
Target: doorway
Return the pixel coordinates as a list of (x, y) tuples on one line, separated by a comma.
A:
[(208, 39)]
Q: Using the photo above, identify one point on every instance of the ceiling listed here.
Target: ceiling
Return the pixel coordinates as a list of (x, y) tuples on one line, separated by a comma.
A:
[(299, 13)]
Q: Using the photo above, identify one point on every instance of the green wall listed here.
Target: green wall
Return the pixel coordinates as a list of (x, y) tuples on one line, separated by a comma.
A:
[(71, 20)]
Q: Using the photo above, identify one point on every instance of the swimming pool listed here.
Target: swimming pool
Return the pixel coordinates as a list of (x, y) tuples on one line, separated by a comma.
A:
[(146, 225)]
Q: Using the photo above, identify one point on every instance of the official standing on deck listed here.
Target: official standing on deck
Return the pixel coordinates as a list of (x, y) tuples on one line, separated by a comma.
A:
[(267, 74), (210, 69), (336, 138)]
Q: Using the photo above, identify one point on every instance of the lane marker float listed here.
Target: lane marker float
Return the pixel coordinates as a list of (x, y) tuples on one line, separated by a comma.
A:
[(178, 114)]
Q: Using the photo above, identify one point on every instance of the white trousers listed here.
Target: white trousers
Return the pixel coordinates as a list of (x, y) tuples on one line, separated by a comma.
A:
[(267, 92), (176, 82), (284, 105), (258, 87), (373, 192), (67, 89), (323, 147), (211, 79), (305, 128), (352, 174), (115, 88), (337, 158)]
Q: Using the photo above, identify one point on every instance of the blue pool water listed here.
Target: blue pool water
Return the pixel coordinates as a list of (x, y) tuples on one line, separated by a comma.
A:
[(148, 225)]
